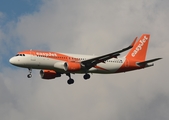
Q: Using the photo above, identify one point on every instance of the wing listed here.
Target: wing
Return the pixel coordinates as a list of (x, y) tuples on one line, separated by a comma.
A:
[(94, 61)]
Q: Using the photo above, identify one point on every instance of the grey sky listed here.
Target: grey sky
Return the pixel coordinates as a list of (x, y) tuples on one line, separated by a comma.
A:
[(88, 27)]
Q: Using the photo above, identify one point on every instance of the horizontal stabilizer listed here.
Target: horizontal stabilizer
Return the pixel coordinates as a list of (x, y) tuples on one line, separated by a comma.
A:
[(148, 61)]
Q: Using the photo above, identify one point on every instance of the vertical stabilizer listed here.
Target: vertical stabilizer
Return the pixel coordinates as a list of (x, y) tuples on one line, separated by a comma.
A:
[(139, 50)]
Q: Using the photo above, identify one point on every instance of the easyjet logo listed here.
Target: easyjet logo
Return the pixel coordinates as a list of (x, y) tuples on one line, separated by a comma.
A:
[(139, 47)]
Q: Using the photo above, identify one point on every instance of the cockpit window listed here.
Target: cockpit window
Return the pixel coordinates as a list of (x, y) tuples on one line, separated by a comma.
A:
[(20, 55)]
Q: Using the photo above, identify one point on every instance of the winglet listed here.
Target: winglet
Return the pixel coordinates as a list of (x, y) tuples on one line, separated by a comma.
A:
[(133, 43)]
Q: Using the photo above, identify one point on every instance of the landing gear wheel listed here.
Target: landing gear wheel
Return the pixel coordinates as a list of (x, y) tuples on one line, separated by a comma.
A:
[(86, 76), (29, 75), (30, 71), (70, 81)]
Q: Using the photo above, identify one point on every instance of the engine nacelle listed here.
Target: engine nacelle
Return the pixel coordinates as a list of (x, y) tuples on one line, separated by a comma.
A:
[(60, 65), (68, 66), (72, 66), (49, 74)]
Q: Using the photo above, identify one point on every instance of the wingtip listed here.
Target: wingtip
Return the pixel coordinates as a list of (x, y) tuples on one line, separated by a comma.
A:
[(159, 58), (133, 43)]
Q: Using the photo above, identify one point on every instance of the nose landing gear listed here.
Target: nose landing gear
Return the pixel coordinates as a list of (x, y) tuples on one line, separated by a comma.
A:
[(30, 73)]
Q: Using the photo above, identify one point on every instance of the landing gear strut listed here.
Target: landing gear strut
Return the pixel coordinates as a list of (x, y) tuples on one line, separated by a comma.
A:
[(70, 80), (30, 73)]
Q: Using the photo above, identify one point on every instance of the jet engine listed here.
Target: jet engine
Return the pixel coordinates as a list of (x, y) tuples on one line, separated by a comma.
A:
[(72, 66), (49, 74), (68, 66)]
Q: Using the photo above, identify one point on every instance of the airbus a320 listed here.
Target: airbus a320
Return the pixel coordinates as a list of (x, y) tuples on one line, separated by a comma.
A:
[(55, 64)]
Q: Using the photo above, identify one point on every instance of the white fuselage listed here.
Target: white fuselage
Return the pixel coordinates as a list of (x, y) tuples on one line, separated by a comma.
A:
[(43, 62)]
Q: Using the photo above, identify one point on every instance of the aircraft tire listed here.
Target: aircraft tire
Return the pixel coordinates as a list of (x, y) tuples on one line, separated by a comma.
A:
[(86, 76), (70, 81), (29, 75)]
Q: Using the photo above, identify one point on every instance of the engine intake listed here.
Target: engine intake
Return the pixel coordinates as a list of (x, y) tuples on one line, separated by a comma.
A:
[(72, 66)]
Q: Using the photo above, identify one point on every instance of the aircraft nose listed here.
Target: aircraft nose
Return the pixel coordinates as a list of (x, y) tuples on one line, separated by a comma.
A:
[(12, 60), (16, 61)]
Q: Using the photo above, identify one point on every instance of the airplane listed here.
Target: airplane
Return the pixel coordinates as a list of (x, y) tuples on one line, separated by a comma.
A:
[(54, 64)]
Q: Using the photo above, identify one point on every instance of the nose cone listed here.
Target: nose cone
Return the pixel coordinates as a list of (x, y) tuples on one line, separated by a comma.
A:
[(16, 61), (12, 61)]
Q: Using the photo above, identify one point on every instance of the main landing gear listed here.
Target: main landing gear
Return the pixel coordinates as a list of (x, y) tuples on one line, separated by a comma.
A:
[(86, 76), (71, 81), (30, 73)]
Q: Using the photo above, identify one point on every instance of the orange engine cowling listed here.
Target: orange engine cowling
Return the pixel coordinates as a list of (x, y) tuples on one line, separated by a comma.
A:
[(72, 66), (49, 74)]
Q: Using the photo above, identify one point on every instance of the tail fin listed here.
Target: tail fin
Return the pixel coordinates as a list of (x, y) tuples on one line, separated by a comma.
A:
[(139, 50)]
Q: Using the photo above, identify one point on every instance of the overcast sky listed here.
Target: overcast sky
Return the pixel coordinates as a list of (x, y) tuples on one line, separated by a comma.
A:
[(87, 27)]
